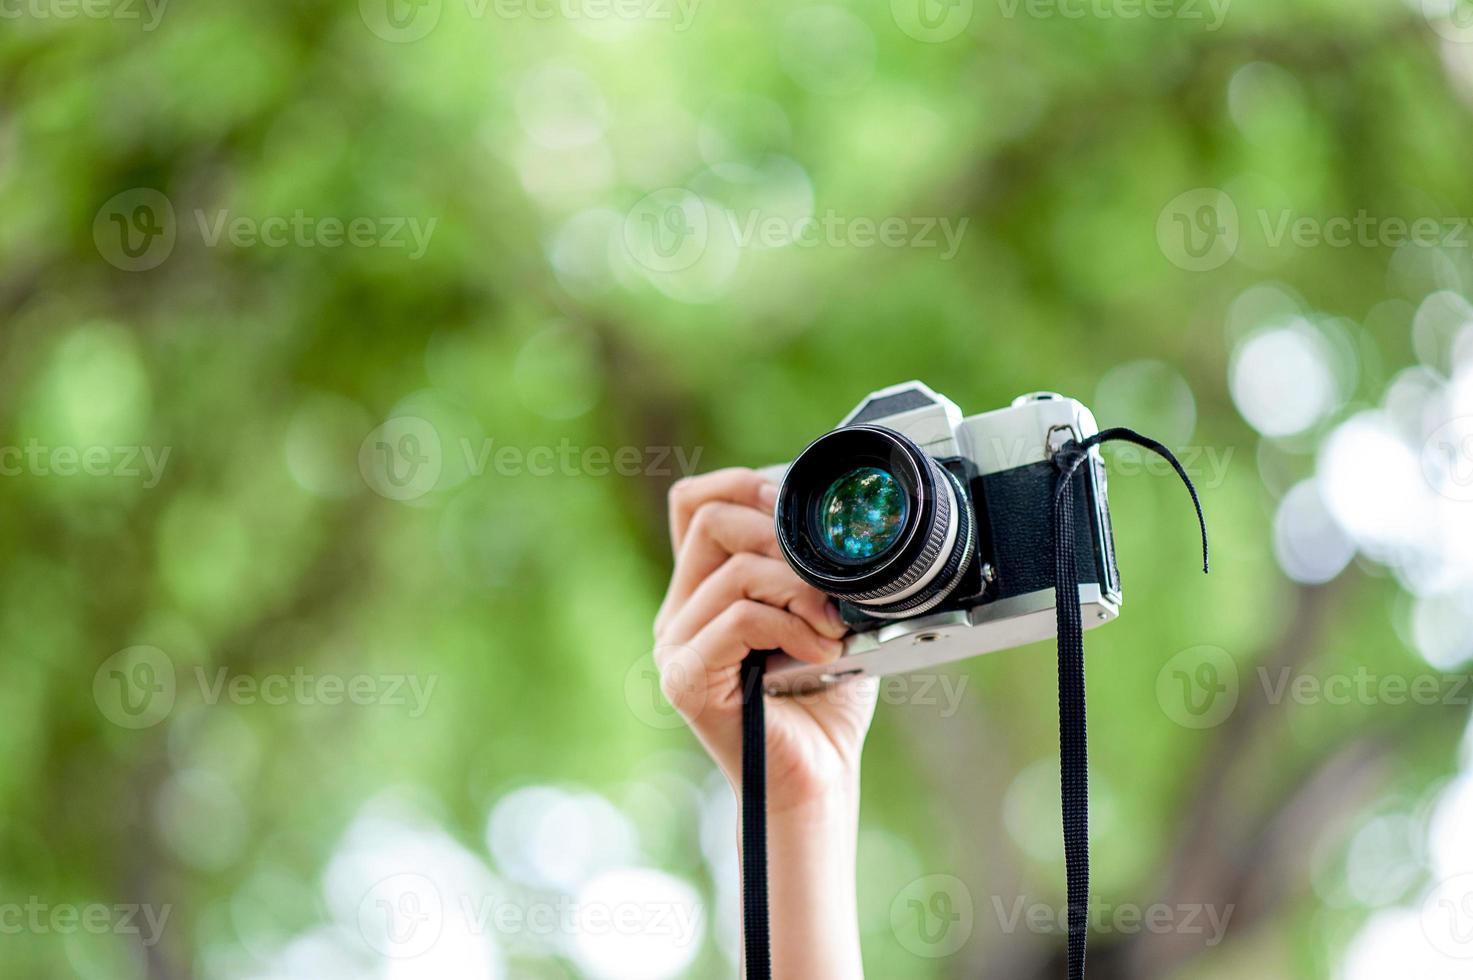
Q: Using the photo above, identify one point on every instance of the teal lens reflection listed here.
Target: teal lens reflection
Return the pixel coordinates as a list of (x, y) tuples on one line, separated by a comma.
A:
[(861, 514)]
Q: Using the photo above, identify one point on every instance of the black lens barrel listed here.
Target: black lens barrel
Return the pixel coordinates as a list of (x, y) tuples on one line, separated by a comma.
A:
[(932, 550)]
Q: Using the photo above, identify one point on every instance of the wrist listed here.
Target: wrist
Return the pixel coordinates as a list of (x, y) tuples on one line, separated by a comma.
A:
[(831, 806), (801, 803), (812, 851)]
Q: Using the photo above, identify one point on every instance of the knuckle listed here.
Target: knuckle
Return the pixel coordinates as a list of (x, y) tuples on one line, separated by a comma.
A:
[(744, 567), (746, 614), (704, 521)]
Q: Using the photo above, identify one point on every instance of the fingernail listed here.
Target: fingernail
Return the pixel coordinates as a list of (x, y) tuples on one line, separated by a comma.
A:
[(834, 648), (767, 494)]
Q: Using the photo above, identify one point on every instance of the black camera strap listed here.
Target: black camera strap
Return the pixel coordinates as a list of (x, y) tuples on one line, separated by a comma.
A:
[(756, 938), (1073, 735)]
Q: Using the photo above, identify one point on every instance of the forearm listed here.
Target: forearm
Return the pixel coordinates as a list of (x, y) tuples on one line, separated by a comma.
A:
[(811, 854)]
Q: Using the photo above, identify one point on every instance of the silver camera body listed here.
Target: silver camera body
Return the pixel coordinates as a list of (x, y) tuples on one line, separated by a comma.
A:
[(997, 464)]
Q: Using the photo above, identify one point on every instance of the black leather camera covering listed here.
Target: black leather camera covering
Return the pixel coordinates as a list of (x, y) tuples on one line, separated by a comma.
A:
[(1016, 505)]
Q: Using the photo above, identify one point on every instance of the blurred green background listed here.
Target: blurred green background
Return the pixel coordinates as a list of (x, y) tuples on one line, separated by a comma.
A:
[(349, 351)]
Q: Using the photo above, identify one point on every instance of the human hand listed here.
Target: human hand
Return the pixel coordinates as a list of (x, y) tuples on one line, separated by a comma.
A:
[(731, 592)]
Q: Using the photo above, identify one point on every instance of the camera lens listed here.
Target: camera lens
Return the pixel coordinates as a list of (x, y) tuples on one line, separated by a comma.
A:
[(867, 516), (861, 514)]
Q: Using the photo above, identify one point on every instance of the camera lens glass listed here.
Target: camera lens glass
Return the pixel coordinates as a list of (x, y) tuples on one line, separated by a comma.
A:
[(861, 514)]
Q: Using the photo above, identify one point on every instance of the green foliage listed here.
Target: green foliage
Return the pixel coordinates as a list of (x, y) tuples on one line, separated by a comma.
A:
[(538, 319)]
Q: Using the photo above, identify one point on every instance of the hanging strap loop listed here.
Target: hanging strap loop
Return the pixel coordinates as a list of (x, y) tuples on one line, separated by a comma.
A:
[(1073, 731)]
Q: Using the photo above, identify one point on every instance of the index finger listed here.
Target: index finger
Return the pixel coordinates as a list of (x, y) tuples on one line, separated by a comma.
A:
[(736, 484)]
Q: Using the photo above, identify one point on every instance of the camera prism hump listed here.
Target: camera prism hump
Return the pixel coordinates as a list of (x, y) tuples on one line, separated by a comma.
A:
[(1001, 462)]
